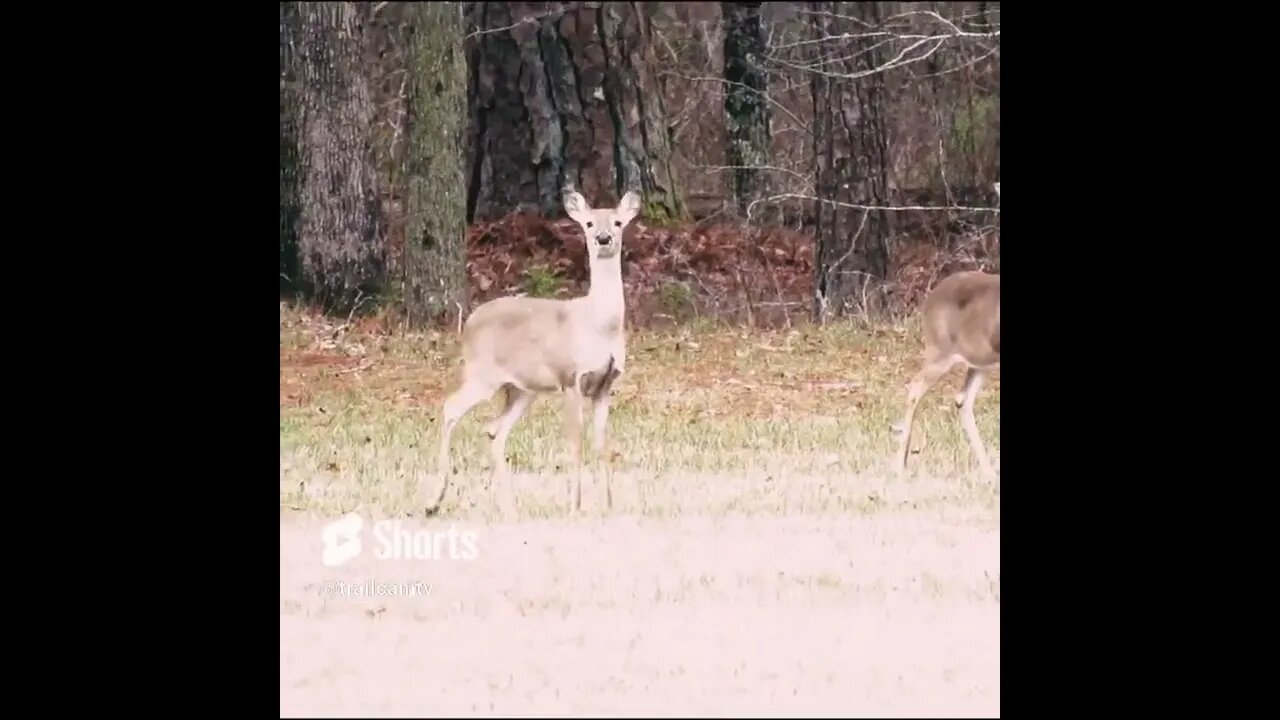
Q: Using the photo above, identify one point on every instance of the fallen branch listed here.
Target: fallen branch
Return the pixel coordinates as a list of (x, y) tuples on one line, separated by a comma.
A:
[(362, 366)]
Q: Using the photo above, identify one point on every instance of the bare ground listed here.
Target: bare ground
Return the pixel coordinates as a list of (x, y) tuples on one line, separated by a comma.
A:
[(893, 613)]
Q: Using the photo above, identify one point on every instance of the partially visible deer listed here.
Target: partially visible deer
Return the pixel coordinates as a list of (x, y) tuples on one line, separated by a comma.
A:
[(530, 346), (961, 325)]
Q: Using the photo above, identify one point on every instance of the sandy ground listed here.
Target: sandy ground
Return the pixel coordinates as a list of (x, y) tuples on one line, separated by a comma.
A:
[(895, 614)]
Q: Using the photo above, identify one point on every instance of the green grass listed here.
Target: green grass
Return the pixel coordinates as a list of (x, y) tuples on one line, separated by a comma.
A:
[(703, 422)]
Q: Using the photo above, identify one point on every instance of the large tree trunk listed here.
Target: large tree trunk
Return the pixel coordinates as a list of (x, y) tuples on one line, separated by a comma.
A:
[(851, 147), (288, 152), (746, 110), (643, 141), (340, 226), (435, 226), (565, 98)]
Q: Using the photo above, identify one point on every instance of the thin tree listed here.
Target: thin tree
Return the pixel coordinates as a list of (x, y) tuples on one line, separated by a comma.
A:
[(746, 108), (288, 151), (851, 146), (435, 225)]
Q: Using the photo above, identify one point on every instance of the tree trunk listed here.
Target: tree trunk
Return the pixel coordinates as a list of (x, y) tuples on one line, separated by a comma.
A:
[(642, 144), (565, 98), (746, 110), (435, 226), (340, 225), (851, 147), (289, 280)]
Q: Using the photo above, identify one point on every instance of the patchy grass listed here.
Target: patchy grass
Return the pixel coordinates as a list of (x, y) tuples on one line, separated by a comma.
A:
[(758, 558), (777, 416)]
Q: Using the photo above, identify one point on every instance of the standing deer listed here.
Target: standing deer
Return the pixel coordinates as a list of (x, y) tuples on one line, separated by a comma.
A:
[(529, 346), (961, 324)]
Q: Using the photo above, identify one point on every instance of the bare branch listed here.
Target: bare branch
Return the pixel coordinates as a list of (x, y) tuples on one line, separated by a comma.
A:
[(885, 34), (675, 56), (886, 208), (897, 61), (802, 124), (828, 13), (955, 30), (853, 244), (843, 58), (962, 66), (531, 20), (722, 168), (918, 46)]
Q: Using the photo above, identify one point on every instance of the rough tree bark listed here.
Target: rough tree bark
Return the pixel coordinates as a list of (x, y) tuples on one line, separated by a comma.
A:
[(435, 226), (565, 96), (746, 111), (851, 147), (339, 223), (643, 141), (288, 152)]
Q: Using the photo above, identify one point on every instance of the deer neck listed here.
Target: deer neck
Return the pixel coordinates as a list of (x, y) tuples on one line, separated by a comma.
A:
[(605, 294)]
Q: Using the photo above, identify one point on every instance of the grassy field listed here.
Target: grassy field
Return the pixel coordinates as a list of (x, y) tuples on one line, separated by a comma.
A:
[(759, 556)]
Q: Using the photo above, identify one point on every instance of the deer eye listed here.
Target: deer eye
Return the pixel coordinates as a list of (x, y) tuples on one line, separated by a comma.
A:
[(617, 223), (590, 225)]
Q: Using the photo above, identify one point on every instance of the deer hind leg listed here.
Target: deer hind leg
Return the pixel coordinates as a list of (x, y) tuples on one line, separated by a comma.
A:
[(929, 375), (459, 403), (518, 401), (972, 386)]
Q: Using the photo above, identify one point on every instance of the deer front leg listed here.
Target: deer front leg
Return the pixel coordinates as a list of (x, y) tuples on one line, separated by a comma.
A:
[(929, 375), (600, 426), (573, 429)]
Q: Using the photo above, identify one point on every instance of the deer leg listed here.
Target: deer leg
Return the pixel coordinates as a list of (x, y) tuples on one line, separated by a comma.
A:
[(600, 425), (929, 375), (573, 429), (972, 386), (518, 401), (471, 393)]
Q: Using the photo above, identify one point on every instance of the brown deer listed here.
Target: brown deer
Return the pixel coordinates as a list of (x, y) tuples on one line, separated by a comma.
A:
[(961, 319), (529, 346)]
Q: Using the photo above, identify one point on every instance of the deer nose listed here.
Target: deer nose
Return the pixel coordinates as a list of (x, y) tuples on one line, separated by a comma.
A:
[(602, 239)]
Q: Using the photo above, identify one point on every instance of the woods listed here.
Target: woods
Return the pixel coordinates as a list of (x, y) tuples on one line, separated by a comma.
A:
[(800, 160), (768, 403)]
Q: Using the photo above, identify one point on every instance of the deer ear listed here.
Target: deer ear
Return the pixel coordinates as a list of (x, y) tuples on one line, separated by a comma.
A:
[(630, 204), (574, 203)]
